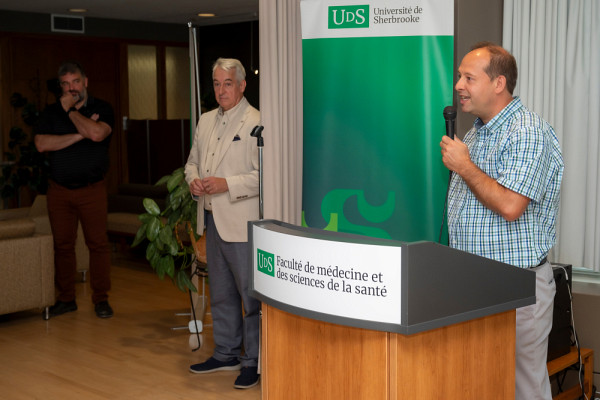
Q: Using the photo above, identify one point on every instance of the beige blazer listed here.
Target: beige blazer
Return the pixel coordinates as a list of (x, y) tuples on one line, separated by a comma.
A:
[(238, 164)]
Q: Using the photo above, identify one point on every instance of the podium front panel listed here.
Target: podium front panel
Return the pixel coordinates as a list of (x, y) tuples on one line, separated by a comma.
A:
[(328, 278)]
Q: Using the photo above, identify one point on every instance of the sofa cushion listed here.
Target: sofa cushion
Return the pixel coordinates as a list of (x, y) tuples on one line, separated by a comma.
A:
[(14, 213), (17, 228)]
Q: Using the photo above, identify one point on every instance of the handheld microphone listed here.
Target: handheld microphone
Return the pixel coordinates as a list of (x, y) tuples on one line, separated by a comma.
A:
[(450, 117)]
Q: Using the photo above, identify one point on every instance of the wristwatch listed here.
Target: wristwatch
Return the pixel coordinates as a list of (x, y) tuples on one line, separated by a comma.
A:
[(71, 109)]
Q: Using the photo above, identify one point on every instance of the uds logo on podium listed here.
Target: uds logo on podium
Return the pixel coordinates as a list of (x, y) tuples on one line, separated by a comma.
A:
[(265, 262)]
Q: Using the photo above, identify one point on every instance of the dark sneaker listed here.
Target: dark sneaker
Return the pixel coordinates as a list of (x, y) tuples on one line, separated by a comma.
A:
[(61, 307), (213, 365), (247, 379), (103, 310)]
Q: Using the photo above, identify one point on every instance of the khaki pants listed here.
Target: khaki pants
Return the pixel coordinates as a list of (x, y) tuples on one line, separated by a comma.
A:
[(534, 324)]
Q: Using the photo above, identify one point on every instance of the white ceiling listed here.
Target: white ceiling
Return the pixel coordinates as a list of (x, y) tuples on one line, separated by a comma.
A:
[(168, 11)]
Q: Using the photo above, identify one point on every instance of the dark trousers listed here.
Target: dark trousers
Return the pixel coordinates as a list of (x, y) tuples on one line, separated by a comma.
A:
[(66, 207)]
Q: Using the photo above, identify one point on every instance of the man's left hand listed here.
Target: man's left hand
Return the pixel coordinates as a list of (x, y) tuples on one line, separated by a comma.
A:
[(214, 185)]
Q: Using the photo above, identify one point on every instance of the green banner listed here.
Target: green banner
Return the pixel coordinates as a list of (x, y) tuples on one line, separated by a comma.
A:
[(373, 121)]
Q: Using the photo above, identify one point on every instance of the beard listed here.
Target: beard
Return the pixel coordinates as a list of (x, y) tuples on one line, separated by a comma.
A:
[(77, 95)]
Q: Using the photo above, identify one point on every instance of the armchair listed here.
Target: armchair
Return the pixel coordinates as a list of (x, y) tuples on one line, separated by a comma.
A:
[(26, 251), (27, 265)]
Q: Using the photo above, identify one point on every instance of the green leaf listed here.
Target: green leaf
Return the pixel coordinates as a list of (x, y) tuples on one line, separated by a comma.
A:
[(172, 246), (151, 206), (145, 218), (153, 229), (159, 245), (184, 282), (160, 268), (139, 236), (152, 255), (174, 217), (188, 213), (183, 191), (176, 179), (165, 234), (175, 202), (170, 266), (162, 180), (166, 265)]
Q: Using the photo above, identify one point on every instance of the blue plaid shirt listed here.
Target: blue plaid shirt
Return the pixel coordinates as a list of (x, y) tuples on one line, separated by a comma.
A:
[(520, 151)]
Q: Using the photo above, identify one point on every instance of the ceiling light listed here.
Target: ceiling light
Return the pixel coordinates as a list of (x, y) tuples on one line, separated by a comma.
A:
[(77, 10), (206, 15)]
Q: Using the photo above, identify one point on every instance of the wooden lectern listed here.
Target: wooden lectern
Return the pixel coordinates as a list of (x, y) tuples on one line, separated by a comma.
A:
[(454, 339)]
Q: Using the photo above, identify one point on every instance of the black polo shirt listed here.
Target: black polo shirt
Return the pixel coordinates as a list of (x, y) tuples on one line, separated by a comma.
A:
[(83, 162)]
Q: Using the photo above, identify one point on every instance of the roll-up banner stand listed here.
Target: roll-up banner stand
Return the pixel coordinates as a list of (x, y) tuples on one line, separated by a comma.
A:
[(377, 76)]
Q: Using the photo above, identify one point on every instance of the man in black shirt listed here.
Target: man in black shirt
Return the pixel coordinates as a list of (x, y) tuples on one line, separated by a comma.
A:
[(76, 132)]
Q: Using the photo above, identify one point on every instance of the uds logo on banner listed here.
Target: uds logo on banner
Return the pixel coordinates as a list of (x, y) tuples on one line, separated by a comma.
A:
[(265, 262), (342, 17)]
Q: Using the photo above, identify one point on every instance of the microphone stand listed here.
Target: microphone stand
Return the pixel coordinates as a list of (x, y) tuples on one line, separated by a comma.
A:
[(256, 132)]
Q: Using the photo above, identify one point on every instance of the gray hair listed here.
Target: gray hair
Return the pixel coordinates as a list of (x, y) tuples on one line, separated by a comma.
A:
[(226, 64)]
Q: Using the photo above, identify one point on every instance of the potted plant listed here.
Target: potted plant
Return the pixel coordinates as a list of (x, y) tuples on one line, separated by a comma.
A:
[(24, 166), (171, 233)]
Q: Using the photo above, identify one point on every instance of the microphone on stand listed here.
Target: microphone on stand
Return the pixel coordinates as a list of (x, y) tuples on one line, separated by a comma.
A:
[(256, 132), (450, 117)]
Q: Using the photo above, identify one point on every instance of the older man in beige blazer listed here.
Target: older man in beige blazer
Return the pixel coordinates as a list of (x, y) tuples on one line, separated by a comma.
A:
[(222, 172)]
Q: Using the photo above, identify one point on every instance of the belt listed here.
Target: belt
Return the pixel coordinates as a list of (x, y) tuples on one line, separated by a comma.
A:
[(79, 185), (544, 261)]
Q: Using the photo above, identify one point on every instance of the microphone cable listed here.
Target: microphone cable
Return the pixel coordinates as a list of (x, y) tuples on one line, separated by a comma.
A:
[(445, 207)]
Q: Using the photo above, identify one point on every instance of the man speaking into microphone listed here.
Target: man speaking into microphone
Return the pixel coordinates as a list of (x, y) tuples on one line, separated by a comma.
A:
[(504, 196)]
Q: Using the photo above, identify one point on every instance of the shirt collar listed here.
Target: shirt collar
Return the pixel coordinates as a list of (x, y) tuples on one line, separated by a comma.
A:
[(234, 110), (501, 117), (88, 100)]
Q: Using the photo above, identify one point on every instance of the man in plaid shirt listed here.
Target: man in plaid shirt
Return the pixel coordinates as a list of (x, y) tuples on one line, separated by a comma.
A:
[(504, 196)]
